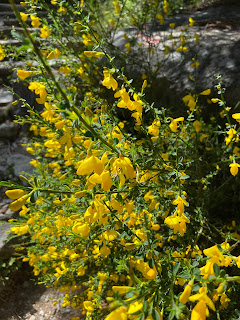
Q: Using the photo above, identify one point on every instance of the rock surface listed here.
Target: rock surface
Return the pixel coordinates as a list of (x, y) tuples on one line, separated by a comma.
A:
[(218, 53)]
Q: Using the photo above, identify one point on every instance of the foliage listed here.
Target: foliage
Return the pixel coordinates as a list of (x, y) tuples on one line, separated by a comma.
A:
[(116, 213)]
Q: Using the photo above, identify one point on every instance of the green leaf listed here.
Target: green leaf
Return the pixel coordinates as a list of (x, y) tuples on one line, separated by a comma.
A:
[(5, 184), (171, 315), (184, 177), (176, 268), (155, 315), (222, 273), (151, 263), (19, 36), (36, 181), (145, 306), (142, 317), (216, 269), (34, 197), (195, 264)]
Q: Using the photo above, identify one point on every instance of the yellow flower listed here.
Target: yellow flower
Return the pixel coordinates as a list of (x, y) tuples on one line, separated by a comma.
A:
[(104, 179), (191, 22), (236, 116), (62, 10), (23, 74), (110, 235), (160, 18), (35, 21), (94, 54), (174, 124), (19, 230), (123, 168), (186, 292), (45, 32), (118, 314), (24, 16), (105, 251), (147, 272), (117, 7), (15, 193), (2, 53), (135, 307), (189, 101), (23, 211), (232, 136), (17, 204), (154, 128), (39, 89), (206, 92), (122, 289), (53, 54), (109, 82), (65, 70), (200, 311), (234, 168), (81, 229), (90, 164), (88, 305), (180, 202), (178, 224), (128, 47)]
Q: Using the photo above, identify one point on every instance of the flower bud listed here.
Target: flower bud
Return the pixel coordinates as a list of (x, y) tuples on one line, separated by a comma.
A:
[(186, 292), (15, 193)]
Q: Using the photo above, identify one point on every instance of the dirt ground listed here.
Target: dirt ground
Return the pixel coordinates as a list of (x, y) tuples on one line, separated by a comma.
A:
[(22, 298)]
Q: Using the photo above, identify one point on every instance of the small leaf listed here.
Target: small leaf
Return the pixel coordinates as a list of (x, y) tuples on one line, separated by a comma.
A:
[(34, 197), (145, 306), (151, 263), (222, 273), (216, 269), (184, 177), (176, 268), (35, 181), (155, 315)]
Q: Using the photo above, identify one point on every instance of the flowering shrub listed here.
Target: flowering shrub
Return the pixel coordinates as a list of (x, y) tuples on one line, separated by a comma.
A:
[(116, 213)]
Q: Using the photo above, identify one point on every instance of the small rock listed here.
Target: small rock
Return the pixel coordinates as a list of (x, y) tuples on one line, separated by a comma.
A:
[(9, 130), (20, 162), (9, 212), (41, 312), (4, 230), (32, 317), (4, 207), (5, 98), (5, 112)]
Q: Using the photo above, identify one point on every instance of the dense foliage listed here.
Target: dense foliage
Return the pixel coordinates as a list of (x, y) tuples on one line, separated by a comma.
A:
[(117, 211)]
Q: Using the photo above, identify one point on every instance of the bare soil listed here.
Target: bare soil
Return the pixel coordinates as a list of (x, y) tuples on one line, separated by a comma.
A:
[(22, 298)]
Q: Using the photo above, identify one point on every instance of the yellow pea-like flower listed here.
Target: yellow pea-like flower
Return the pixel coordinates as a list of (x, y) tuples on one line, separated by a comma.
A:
[(17, 205), (24, 16), (121, 289), (118, 314), (206, 92), (23, 74), (15, 193), (234, 168), (81, 229), (186, 292)]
